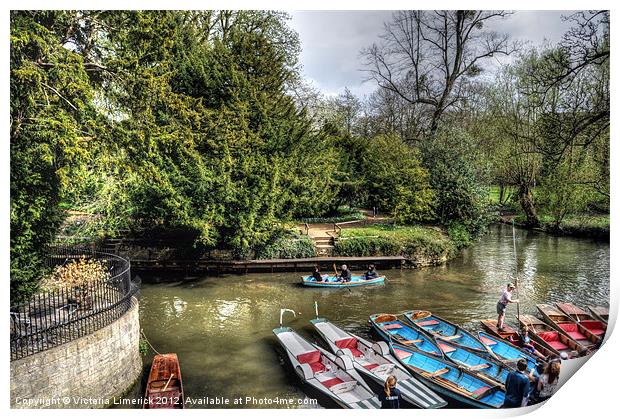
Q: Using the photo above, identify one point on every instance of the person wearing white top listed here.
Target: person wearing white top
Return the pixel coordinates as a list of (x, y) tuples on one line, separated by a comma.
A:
[(503, 302)]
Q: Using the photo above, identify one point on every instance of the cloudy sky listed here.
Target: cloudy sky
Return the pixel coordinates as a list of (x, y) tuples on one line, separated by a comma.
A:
[(331, 41)]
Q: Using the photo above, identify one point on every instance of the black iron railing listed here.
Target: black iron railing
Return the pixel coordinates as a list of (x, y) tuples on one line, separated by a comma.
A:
[(54, 317)]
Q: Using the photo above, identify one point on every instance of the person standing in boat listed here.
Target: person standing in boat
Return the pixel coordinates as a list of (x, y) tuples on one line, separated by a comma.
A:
[(371, 273), (517, 386), (390, 396), (503, 302), (345, 274)]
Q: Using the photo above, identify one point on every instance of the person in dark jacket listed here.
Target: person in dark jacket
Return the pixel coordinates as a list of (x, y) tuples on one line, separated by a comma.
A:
[(517, 386), (371, 273), (390, 397), (316, 275), (345, 274)]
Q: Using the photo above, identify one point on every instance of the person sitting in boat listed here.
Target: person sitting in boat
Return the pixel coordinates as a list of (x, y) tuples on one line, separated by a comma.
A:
[(503, 302), (345, 274), (517, 386), (316, 275), (525, 343), (371, 273), (390, 396)]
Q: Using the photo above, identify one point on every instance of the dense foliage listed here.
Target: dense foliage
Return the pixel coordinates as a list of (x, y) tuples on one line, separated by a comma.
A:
[(199, 122)]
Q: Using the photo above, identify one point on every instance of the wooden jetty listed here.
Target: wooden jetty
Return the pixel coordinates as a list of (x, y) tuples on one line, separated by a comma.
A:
[(268, 265)]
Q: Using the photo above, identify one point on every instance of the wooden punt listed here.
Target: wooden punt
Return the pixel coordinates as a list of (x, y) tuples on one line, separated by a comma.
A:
[(164, 388), (449, 380), (601, 313), (567, 326), (392, 328), (550, 338), (443, 330), (585, 319), (510, 335)]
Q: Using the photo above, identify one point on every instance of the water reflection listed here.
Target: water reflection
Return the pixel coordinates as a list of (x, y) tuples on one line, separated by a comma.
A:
[(221, 327)]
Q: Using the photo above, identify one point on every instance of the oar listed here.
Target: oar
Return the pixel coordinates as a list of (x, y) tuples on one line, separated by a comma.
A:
[(335, 270), (168, 382)]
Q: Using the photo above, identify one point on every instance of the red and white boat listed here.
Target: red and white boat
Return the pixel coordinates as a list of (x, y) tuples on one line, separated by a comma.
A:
[(551, 338), (564, 324), (585, 319)]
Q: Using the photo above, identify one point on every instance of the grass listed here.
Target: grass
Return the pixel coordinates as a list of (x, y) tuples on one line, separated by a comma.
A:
[(421, 244), (580, 225), (342, 214)]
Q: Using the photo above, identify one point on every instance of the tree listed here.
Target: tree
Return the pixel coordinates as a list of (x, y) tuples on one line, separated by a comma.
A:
[(52, 121), (428, 58), (396, 181)]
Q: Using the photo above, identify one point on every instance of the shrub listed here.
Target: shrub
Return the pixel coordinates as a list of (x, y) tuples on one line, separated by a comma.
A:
[(287, 247), (76, 273), (459, 235)]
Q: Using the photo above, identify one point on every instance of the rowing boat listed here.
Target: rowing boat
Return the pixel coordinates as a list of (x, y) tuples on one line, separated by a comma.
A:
[(374, 361), (486, 368), (333, 376), (601, 313), (449, 380), (444, 330), (567, 326), (585, 319), (391, 328), (510, 336), (164, 388), (550, 338), (507, 352), (335, 282)]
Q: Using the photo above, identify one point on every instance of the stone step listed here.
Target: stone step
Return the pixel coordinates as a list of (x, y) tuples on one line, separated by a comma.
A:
[(322, 240), (323, 246)]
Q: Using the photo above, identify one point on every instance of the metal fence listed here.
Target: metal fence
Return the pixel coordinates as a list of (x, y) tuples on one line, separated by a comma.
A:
[(52, 318)]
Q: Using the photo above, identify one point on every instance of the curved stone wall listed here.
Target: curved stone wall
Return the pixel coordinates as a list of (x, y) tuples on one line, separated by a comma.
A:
[(88, 372)]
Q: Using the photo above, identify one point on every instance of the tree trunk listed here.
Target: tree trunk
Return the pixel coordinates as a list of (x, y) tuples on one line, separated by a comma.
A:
[(501, 194), (527, 204)]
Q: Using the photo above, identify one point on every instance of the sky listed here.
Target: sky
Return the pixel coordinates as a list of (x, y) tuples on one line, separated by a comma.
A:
[(331, 42)]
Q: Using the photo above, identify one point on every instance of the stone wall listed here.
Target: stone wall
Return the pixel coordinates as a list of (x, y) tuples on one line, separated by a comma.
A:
[(88, 372)]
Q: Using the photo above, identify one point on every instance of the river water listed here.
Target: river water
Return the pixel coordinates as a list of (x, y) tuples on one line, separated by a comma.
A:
[(221, 327)]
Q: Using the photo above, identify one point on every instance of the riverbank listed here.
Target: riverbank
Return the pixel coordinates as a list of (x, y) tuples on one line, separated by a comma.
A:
[(583, 226)]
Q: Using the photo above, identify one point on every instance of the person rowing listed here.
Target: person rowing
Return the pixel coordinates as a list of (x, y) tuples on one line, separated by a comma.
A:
[(503, 302), (371, 273), (345, 274)]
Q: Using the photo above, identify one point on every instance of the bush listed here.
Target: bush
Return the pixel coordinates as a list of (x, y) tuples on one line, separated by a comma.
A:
[(287, 247), (413, 242), (76, 273), (459, 235)]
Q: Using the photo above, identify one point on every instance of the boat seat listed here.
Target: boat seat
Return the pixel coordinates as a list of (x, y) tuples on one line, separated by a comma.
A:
[(427, 323), (438, 372), (480, 392), (332, 382), (479, 367), (597, 332), (577, 335), (392, 326), (446, 348), (487, 341), (351, 344), (402, 354), (371, 366), (408, 342), (312, 358), (453, 337)]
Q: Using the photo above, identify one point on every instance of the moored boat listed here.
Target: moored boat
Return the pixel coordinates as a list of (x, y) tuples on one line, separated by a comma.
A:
[(164, 388), (506, 351), (334, 282), (509, 335), (486, 368), (391, 328), (551, 338), (601, 313), (567, 326), (585, 319), (374, 361), (333, 376), (449, 380), (444, 330)]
